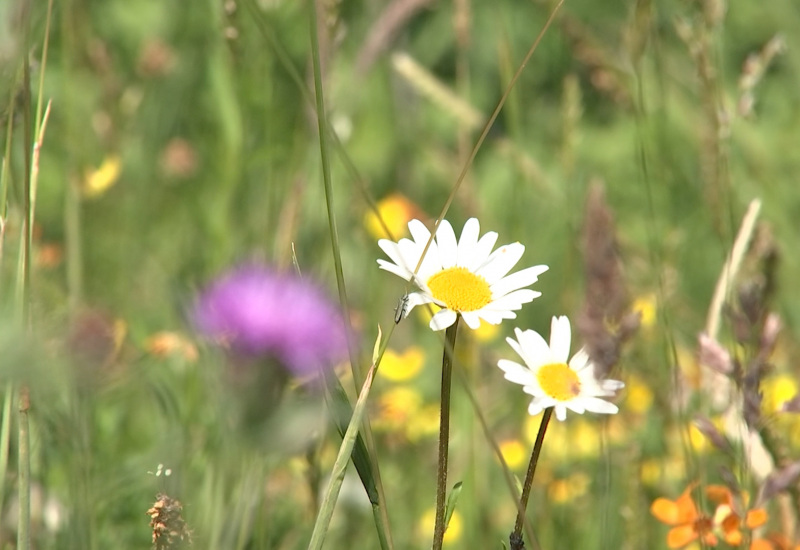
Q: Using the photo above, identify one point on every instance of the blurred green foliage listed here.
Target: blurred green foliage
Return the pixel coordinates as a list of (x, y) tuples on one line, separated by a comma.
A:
[(205, 110)]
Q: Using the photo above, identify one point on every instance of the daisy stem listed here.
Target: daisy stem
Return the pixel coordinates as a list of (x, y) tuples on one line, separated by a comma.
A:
[(516, 537), (444, 434)]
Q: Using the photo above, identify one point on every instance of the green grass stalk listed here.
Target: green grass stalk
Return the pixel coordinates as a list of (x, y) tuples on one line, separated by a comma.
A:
[(45, 48), (444, 435), (24, 266), (382, 525), (515, 540), (24, 441), (4, 175), (23, 289), (340, 465), (285, 61), (511, 482), (487, 127), (5, 439)]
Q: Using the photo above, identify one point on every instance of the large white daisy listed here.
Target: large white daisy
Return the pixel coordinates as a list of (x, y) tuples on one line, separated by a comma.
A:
[(551, 379), (462, 277)]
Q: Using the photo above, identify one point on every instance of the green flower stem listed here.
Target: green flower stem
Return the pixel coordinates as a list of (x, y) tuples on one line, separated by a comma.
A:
[(444, 434), (24, 524), (515, 540)]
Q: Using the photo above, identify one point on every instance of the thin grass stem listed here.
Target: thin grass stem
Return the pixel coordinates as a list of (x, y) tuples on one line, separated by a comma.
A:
[(444, 435), (24, 524), (507, 475), (382, 523), (45, 48), (487, 127), (5, 439), (515, 540), (4, 174), (340, 465)]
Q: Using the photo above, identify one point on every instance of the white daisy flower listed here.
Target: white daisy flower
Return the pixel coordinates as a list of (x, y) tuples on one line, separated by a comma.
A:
[(463, 277), (551, 380)]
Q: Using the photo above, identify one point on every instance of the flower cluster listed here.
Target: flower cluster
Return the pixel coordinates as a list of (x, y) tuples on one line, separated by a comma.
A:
[(466, 277), (728, 521)]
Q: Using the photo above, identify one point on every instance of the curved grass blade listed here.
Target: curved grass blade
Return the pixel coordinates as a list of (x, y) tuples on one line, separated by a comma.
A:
[(340, 466)]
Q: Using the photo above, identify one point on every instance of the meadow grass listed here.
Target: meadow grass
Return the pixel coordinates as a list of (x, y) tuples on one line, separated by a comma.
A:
[(643, 151)]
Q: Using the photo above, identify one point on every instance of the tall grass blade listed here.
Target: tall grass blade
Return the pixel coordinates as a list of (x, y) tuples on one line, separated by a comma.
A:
[(340, 465), (322, 126)]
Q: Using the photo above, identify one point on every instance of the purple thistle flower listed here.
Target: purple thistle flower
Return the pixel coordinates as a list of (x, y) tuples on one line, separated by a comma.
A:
[(257, 311)]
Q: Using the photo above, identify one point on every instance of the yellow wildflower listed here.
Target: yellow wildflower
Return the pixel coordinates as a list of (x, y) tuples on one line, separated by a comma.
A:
[(639, 396), (486, 332), (514, 453), (568, 489), (455, 529), (399, 367), (647, 307), (396, 211), (103, 178), (396, 407)]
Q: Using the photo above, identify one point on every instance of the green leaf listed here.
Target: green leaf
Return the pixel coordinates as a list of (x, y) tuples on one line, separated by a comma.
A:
[(340, 466), (452, 499), (342, 413)]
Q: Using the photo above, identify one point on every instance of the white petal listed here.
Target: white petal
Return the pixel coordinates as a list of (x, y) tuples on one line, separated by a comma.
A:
[(448, 247), (580, 361), (409, 254), (520, 279), (535, 407), (419, 232), (561, 412), (471, 319), (593, 389), (535, 350), (415, 299), (468, 240), (392, 268), (395, 253), (560, 337), (513, 301), (515, 344), (595, 405), (443, 319), (431, 265), (514, 372), (612, 385), (576, 405), (481, 252), (500, 262), (491, 317)]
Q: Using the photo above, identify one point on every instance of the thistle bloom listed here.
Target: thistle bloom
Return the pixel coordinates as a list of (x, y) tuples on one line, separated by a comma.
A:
[(462, 277), (259, 312), (551, 379)]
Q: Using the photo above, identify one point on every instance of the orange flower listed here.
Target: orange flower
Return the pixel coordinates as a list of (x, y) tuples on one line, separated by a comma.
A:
[(688, 524), (774, 542), (727, 518)]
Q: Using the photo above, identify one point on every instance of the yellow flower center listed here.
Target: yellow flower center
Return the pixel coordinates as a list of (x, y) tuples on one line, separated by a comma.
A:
[(559, 381), (460, 289)]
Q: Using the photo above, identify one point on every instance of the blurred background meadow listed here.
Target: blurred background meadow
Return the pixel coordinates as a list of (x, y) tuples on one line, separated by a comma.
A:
[(175, 141)]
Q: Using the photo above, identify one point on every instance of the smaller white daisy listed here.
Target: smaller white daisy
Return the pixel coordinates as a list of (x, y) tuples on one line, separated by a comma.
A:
[(462, 277), (551, 379)]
